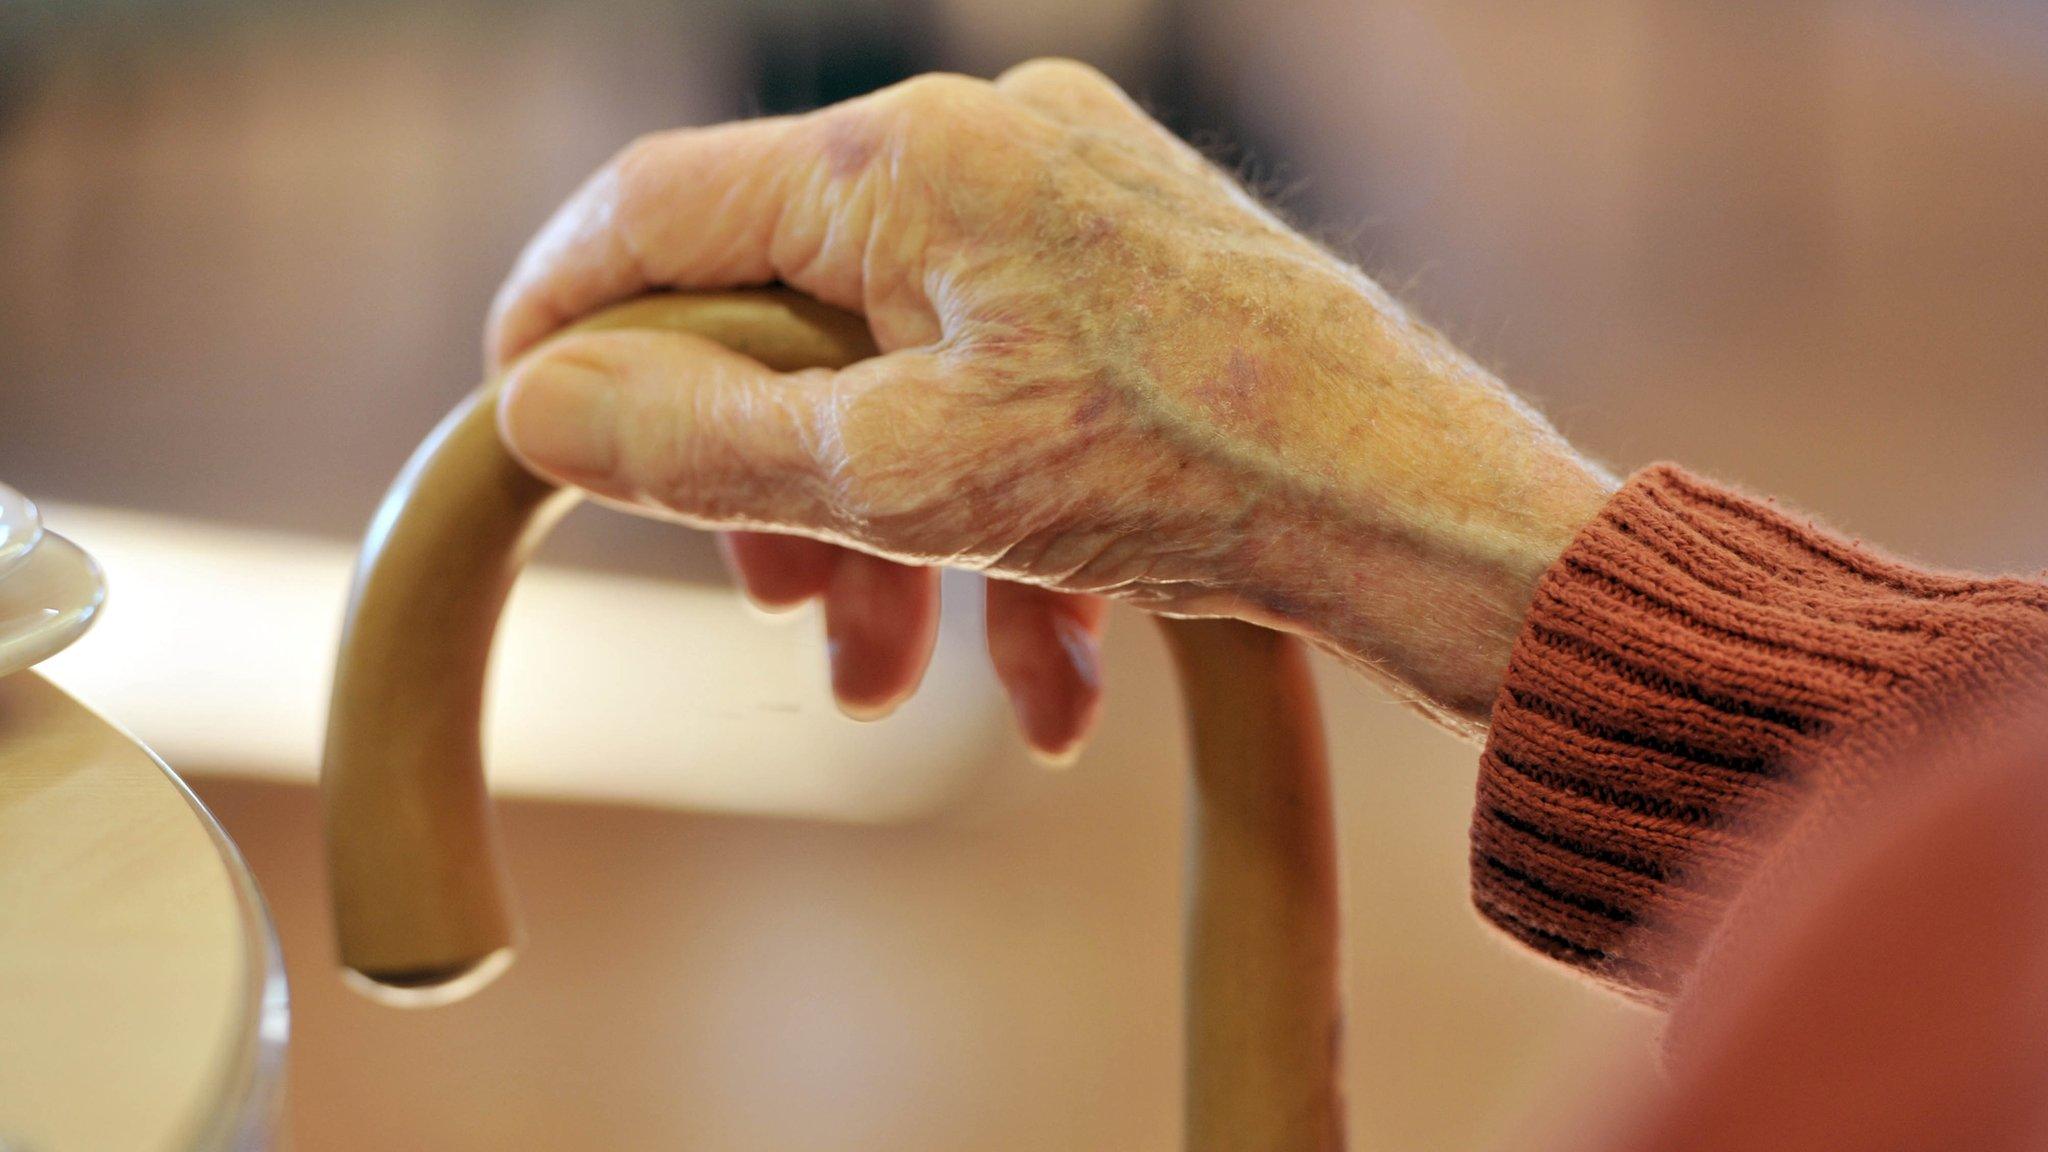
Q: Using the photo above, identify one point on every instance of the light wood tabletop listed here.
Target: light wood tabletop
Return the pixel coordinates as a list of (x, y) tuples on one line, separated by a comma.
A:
[(142, 1003)]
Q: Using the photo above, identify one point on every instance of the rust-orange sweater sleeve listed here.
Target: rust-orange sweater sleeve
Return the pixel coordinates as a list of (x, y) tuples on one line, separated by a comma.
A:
[(1696, 666)]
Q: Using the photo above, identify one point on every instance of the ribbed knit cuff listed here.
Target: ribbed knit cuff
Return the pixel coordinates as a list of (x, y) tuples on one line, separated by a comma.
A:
[(1688, 670)]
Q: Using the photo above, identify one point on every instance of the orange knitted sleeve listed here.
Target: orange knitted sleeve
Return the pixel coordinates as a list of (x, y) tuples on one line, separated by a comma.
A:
[(1695, 669)]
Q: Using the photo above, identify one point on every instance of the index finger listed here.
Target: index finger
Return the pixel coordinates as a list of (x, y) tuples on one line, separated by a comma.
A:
[(691, 208), (792, 199), (735, 205)]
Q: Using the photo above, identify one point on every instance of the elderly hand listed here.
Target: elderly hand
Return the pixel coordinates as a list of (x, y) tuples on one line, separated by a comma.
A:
[(1107, 372)]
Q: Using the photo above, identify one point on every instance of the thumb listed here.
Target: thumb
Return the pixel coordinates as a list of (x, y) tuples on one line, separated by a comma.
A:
[(674, 423)]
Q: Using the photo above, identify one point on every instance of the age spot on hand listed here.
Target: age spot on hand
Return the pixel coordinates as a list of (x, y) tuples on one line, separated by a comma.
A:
[(848, 146), (1091, 409)]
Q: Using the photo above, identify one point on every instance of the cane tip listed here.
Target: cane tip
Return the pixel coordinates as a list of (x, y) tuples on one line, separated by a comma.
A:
[(428, 987)]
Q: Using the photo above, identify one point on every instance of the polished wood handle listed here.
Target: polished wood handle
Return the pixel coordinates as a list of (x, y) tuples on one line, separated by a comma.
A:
[(421, 909)]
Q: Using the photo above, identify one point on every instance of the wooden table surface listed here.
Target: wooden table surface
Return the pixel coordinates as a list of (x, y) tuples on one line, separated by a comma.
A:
[(142, 1003)]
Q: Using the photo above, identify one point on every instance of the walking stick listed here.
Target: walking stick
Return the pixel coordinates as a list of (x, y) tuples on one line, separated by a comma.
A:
[(421, 909)]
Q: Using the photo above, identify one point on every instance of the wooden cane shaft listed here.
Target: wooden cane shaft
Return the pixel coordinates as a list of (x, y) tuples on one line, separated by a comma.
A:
[(1263, 988)]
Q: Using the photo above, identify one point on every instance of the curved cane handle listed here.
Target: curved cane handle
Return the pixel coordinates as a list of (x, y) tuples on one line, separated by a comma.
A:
[(420, 904)]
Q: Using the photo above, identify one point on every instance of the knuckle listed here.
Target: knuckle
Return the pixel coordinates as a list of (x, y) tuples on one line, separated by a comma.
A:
[(1058, 75), (640, 154), (635, 177), (941, 96), (953, 130)]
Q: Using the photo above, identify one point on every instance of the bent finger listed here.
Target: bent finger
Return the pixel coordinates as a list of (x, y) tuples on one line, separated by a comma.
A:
[(881, 623), (778, 572), (736, 205), (694, 207), (1047, 651)]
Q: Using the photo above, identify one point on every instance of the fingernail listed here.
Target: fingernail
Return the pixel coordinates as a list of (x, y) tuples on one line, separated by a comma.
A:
[(1036, 713), (563, 416), (1083, 649), (1064, 758), (865, 711), (777, 613)]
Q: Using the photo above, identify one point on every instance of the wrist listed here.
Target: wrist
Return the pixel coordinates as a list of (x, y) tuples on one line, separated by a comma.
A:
[(1430, 606), (1418, 553)]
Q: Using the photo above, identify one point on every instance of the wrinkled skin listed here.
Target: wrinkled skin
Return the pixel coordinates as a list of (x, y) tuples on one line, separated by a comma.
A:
[(1108, 373)]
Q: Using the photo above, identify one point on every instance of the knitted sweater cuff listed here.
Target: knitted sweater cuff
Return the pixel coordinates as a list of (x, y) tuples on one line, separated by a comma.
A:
[(1684, 662)]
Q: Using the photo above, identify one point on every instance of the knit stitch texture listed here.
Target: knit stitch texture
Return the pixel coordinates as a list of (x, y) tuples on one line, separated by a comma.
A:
[(1699, 673)]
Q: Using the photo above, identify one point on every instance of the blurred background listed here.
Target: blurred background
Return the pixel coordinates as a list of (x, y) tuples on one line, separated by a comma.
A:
[(245, 250)]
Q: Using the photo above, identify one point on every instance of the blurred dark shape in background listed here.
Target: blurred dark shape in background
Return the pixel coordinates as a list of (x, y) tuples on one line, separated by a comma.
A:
[(808, 59), (246, 249)]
